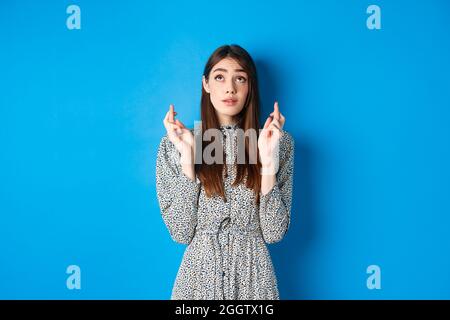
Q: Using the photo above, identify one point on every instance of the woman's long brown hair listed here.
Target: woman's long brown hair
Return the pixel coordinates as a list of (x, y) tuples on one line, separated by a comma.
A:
[(211, 175)]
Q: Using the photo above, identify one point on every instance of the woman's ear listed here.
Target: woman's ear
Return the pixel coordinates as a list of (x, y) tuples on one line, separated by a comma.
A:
[(205, 84)]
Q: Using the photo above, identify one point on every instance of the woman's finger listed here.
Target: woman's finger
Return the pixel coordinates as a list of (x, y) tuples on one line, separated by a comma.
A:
[(171, 113), (280, 122), (275, 131), (180, 123), (268, 121), (167, 116), (282, 118), (174, 128), (266, 132), (276, 123), (276, 126), (273, 125), (166, 122), (276, 110)]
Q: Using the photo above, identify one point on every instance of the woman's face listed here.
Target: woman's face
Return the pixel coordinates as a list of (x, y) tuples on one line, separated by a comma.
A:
[(227, 80)]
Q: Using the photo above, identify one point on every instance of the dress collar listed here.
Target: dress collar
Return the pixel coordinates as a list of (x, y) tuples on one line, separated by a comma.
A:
[(229, 127)]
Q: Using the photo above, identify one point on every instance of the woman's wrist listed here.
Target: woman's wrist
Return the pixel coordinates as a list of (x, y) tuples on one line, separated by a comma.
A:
[(187, 162), (268, 168), (187, 155), (188, 170), (267, 183)]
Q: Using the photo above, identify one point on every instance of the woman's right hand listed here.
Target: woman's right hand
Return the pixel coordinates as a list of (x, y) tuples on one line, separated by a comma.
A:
[(179, 135)]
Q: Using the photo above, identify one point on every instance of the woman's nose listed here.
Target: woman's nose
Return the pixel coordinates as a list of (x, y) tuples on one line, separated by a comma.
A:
[(230, 88)]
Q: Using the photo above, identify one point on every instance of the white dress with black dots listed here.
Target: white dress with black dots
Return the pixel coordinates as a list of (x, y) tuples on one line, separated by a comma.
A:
[(226, 257)]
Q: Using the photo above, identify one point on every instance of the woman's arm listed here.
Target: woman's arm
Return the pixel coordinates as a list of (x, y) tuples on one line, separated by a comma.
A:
[(276, 194), (177, 192)]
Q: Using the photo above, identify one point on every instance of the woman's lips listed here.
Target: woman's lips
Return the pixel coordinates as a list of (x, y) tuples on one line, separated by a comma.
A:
[(229, 102)]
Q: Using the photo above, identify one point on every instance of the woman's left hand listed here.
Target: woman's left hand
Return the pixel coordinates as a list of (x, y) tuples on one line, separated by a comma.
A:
[(268, 140)]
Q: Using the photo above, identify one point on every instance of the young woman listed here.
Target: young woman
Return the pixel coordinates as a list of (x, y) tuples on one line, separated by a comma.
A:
[(226, 212)]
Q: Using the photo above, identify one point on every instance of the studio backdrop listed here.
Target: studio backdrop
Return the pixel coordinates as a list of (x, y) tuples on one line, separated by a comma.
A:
[(85, 85)]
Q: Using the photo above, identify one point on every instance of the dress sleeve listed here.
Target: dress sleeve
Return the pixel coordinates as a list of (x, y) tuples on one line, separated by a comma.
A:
[(275, 206), (177, 193)]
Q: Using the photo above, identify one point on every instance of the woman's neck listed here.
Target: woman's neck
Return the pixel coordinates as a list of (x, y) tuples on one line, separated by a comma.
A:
[(228, 122)]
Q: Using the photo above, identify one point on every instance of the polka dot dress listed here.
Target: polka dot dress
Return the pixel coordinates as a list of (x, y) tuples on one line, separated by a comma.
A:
[(226, 255)]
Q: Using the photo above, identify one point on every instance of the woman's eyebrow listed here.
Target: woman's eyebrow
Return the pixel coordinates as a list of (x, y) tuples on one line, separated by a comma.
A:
[(225, 70)]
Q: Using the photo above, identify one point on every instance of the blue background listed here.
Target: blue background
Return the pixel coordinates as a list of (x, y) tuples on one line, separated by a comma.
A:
[(81, 119)]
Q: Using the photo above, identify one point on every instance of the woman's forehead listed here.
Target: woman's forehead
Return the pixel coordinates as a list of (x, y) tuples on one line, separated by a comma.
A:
[(228, 64)]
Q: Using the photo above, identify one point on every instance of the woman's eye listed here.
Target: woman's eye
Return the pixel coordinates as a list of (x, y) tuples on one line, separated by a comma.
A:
[(240, 79)]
